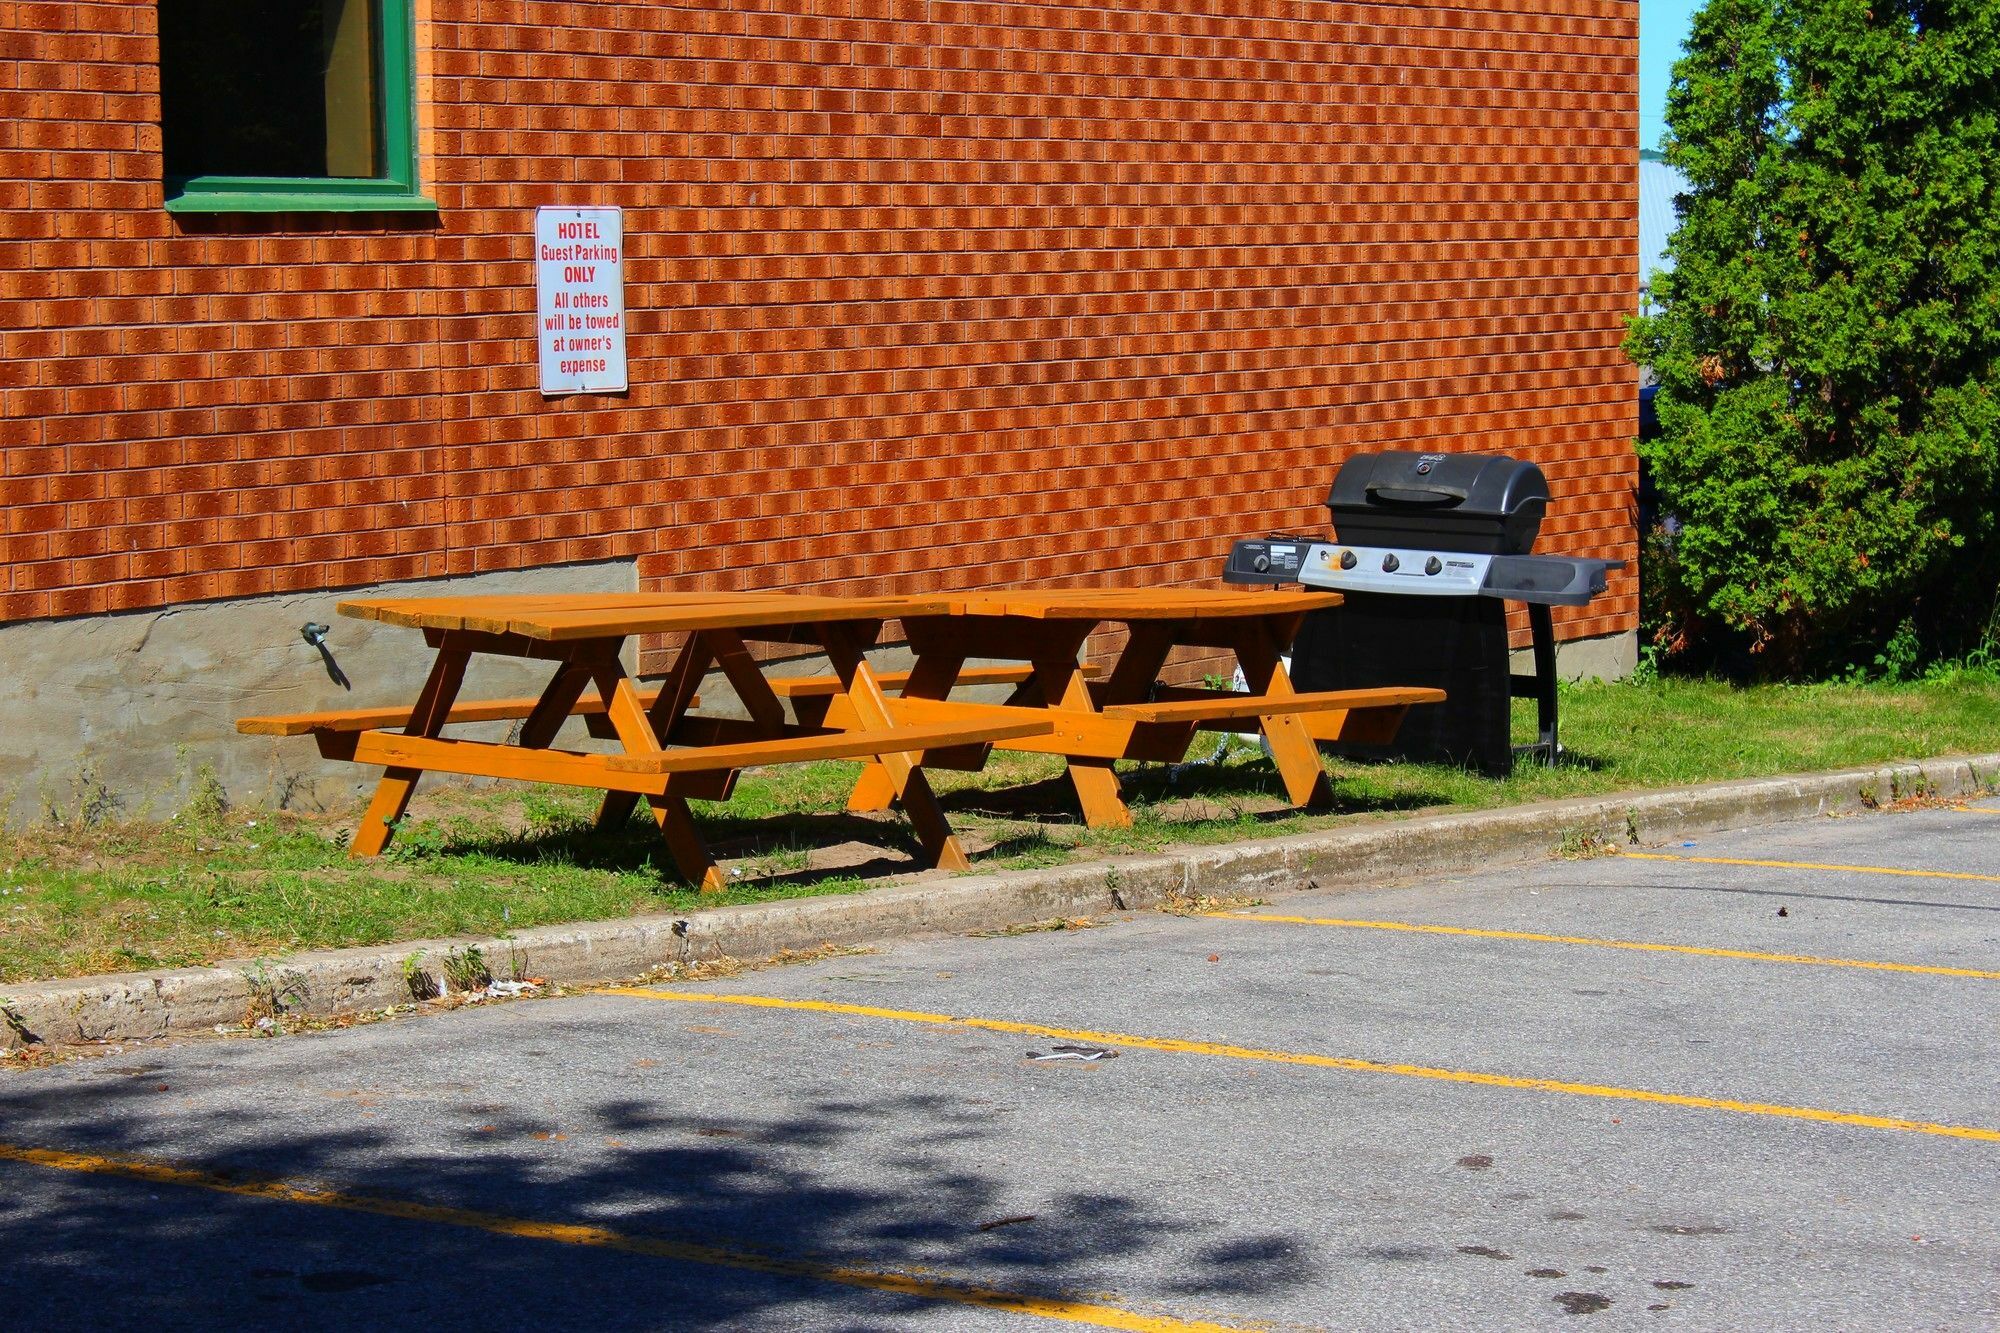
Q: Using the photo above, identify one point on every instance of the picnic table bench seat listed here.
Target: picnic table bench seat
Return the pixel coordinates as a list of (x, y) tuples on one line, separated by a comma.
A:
[(646, 773), (1358, 716), (812, 687), (378, 719), (798, 749), (1161, 729), (588, 707), (343, 728)]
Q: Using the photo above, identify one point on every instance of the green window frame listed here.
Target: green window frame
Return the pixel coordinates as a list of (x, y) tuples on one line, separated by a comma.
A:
[(395, 190)]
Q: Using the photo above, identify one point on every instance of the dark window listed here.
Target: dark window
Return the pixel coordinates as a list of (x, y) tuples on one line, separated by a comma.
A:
[(270, 88), (270, 104)]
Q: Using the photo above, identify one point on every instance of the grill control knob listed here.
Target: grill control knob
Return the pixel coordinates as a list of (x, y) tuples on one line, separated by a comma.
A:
[(1433, 565), (1390, 564), (1347, 560), (1261, 563)]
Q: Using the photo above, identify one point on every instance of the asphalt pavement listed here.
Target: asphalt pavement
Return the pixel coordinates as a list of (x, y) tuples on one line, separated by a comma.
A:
[(1746, 1081)]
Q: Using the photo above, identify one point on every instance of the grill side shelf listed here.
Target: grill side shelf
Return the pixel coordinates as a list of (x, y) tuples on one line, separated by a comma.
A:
[(1548, 580), (1272, 560)]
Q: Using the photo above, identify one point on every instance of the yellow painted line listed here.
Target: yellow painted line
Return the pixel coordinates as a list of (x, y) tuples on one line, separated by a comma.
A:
[(563, 1233), (1702, 951), (1811, 865), (1976, 809), (1350, 1063)]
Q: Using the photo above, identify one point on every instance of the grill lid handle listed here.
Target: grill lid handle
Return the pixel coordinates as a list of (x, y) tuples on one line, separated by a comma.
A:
[(1438, 494)]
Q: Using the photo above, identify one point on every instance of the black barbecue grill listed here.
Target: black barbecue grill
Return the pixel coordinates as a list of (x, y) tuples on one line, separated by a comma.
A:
[(1427, 551)]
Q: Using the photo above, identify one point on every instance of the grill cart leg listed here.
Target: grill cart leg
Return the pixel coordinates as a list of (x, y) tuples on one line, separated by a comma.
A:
[(1541, 687)]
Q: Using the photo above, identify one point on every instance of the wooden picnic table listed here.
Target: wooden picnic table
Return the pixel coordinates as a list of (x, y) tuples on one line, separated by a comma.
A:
[(667, 754), (1129, 715)]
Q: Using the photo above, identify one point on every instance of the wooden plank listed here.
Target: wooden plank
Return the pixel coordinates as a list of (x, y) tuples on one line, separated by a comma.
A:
[(741, 670), (376, 719), (804, 687), (1091, 776), (1138, 665), (505, 615), (497, 613), (796, 687), (1224, 631), (1223, 706), (488, 609), (590, 615), (489, 759), (557, 704), (691, 855), (1259, 652), (1069, 731), (564, 625), (1362, 724), (592, 651), (635, 728), (998, 638), (846, 650), (932, 678), (665, 711), (399, 781), (1130, 604), (832, 745)]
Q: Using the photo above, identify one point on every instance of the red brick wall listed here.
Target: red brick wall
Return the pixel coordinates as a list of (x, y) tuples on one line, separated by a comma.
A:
[(918, 291)]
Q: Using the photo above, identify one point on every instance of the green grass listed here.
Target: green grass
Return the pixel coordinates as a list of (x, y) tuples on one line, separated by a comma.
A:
[(221, 883)]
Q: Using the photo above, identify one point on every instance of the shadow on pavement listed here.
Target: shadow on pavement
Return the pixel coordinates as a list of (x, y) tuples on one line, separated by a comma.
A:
[(876, 1182)]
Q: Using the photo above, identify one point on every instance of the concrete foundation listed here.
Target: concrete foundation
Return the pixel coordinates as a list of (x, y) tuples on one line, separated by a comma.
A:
[(112, 716), (1608, 657)]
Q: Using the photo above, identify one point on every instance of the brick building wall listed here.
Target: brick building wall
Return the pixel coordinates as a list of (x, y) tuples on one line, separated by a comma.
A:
[(919, 291)]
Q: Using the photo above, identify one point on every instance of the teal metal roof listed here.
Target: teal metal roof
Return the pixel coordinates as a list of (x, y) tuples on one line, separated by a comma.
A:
[(1658, 184)]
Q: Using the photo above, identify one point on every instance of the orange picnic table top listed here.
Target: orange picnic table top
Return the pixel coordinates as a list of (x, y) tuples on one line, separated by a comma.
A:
[(559, 617), (1126, 604), (567, 616)]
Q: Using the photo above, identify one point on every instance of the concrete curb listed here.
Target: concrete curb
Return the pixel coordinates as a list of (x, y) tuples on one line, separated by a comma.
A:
[(138, 1006)]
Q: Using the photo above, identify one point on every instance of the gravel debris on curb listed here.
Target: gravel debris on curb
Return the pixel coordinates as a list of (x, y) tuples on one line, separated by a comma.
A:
[(187, 1001)]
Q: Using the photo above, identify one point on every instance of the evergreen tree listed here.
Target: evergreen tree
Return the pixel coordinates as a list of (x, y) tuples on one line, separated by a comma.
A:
[(1828, 342)]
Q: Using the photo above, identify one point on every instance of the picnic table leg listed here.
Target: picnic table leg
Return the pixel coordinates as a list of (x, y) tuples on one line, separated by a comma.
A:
[(845, 650), (677, 691), (1132, 676), (1138, 666), (1258, 650), (752, 690), (931, 678), (1095, 781), (393, 792), (677, 827), (539, 728)]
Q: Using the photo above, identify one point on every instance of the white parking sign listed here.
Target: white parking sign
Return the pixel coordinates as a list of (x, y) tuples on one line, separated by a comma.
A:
[(580, 299)]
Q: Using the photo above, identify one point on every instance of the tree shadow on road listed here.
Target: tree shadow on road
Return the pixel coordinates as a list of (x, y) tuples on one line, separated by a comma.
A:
[(812, 1171)]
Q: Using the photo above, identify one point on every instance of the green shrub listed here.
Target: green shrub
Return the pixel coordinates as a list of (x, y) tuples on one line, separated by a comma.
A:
[(1828, 342)]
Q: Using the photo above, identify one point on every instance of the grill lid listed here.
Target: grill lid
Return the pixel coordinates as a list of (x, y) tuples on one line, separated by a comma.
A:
[(1455, 502)]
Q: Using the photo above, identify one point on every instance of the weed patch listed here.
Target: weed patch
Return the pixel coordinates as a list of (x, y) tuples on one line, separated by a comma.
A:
[(1581, 844), (465, 970), (1203, 904), (1038, 927)]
